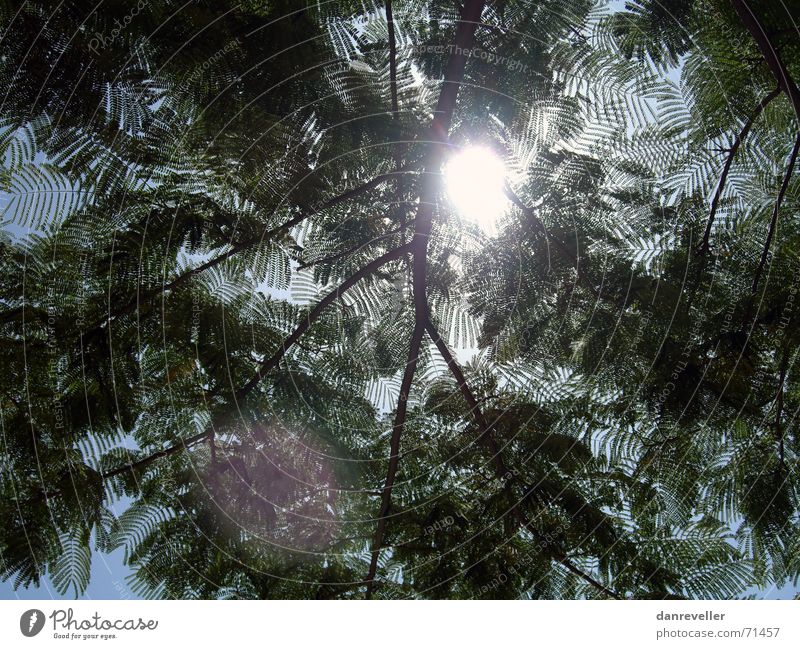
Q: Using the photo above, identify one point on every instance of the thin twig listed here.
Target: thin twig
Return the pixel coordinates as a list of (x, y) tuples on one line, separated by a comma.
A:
[(705, 244), (147, 295), (315, 313), (183, 444), (774, 222), (349, 251)]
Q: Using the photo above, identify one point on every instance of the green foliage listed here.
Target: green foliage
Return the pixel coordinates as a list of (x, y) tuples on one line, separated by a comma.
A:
[(180, 198)]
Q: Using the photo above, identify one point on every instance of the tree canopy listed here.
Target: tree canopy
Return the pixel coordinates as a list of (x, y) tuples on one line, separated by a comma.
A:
[(247, 337)]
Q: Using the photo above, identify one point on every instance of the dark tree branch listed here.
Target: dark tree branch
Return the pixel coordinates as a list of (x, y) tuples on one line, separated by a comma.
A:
[(13, 313), (500, 467), (469, 397), (147, 295), (588, 578), (183, 444), (315, 313), (774, 222), (419, 249), (530, 214), (140, 464), (769, 52), (394, 453), (705, 244), (465, 32), (371, 184), (440, 127), (275, 359)]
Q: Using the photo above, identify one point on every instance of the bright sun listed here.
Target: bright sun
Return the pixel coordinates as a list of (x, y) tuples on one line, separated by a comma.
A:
[(474, 178)]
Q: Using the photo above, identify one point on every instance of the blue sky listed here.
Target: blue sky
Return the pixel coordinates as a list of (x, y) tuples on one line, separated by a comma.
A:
[(107, 582)]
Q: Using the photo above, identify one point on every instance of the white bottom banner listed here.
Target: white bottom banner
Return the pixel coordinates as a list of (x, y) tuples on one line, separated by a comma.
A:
[(405, 624)]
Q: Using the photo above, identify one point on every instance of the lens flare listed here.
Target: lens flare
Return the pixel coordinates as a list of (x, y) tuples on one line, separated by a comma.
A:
[(474, 179)]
